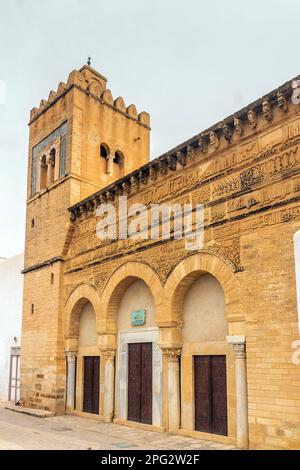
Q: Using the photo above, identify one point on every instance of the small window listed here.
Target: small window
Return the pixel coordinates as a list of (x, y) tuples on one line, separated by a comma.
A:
[(117, 158), (52, 279), (52, 165), (32, 309), (118, 165), (103, 151), (43, 172), (32, 223)]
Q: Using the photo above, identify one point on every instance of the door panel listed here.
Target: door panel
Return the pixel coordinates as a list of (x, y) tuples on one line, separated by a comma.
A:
[(210, 394), (91, 383), (219, 396), (134, 382), (146, 383), (96, 384), (140, 382), (202, 393)]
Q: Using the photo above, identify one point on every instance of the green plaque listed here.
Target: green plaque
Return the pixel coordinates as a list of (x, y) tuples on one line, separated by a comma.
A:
[(138, 317)]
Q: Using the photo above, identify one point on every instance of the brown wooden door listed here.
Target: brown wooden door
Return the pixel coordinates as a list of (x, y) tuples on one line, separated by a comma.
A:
[(210, 394), (140, 382), (91, 384)]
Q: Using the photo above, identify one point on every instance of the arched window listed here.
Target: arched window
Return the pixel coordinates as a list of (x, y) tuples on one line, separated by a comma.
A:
[(118, 165), (103, 151), (52, 158), (104, 157), (43, 172)]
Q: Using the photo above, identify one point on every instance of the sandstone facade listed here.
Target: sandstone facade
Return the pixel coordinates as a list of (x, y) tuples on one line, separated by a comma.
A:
[(246, 172)]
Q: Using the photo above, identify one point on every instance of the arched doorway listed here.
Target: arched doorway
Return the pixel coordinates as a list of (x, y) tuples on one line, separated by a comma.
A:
[(88, 363), (205, 357), (84, 368), (130, 304), (138, 356), (207, 284)]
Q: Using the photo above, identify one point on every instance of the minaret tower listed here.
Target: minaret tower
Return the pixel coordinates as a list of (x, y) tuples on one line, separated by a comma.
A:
[(81, 140)]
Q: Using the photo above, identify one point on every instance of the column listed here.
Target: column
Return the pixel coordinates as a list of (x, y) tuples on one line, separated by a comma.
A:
[(71, 374), (109, 384), (173, 389), (239, 348)]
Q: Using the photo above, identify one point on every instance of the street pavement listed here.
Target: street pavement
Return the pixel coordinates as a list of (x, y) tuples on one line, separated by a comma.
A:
[(20, 431)]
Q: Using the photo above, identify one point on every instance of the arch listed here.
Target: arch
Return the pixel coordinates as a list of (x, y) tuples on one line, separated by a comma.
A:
[(187, 271), (118, 164), (122, 278), (104, 152), (82, 294)]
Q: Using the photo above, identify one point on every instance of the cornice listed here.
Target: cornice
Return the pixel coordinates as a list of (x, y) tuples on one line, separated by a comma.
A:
[(178, 157)]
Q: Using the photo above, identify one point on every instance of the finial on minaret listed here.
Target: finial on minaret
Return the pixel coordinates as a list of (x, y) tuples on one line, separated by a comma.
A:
[(89, 61)]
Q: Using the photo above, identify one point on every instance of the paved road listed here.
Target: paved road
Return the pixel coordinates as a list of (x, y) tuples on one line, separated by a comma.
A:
[(19, 431)]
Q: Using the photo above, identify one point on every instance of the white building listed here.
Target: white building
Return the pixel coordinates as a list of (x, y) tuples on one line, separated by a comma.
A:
[(11, 295)]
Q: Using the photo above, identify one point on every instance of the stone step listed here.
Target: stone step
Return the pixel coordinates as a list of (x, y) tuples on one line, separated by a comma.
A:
[(29, 411)]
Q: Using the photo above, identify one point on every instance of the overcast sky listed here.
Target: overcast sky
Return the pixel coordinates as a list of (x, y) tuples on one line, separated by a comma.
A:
[(189, 63)]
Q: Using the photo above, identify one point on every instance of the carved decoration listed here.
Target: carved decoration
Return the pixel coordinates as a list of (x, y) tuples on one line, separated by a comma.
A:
[(71, 356), (252, 176), (190, 152), (108, 355), (171, 162), (110, 196), (267, 110), (172, 353), (214, 140), (238, 126), (282, 102), (181, 158), (152, 173), (239, 350), (202, 143), (103, 199), (252, 118), (143, 177), (126, 187), (134, 182), (163, 168), (227, 132), (118, 190)]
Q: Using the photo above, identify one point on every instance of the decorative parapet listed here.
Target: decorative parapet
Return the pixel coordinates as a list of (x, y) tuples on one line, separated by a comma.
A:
[(93, 84)]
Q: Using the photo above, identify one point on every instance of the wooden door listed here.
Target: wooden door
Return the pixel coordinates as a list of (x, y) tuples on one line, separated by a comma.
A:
[(140, 382), (91, 384), (134, 382), (146, 383), (210, 394)]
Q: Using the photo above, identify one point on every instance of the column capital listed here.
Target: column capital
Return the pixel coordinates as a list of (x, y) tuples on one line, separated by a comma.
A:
[(71, 355), (108, 355), (172, 353), (238, 343)]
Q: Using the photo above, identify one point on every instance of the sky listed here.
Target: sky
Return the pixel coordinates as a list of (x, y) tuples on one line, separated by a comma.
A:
[(188, 63)]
